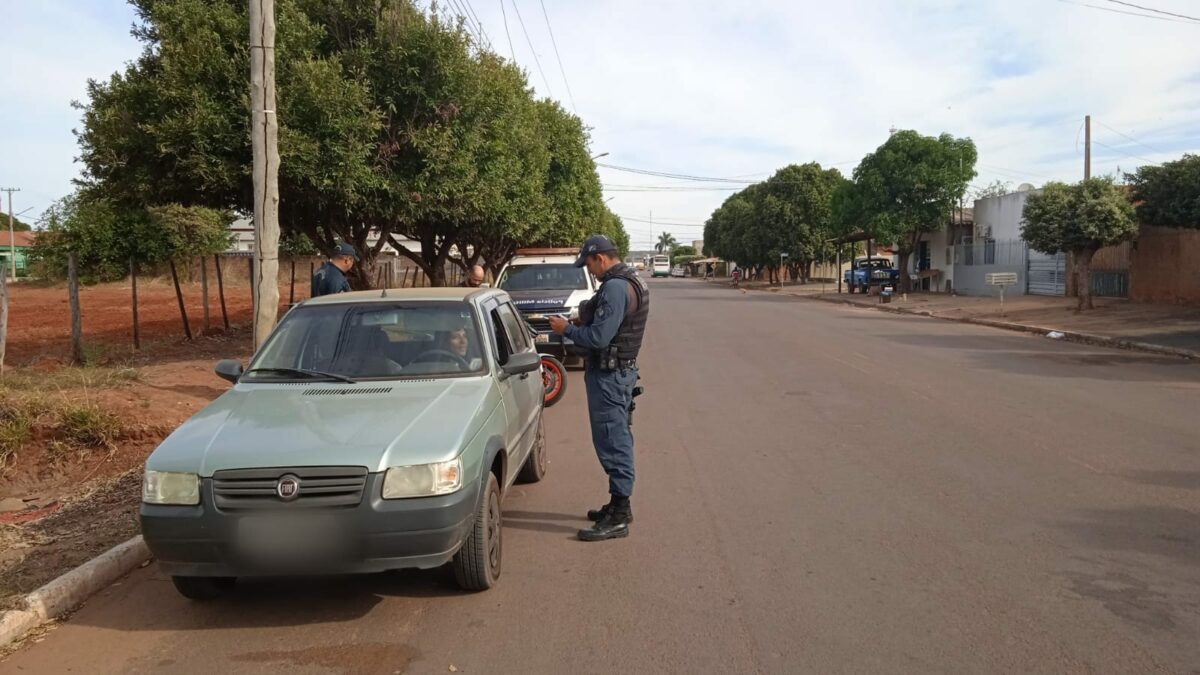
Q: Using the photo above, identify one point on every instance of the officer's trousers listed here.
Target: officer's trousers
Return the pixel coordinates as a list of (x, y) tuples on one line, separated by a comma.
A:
[(609, 397)]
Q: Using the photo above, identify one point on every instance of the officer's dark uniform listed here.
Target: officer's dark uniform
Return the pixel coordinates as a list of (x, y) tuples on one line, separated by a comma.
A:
[(329, 279), (612, 336)]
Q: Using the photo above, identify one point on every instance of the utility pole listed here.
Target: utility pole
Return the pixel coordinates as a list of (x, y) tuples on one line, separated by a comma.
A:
[(12, 239), (264, 136), (1087, 147)]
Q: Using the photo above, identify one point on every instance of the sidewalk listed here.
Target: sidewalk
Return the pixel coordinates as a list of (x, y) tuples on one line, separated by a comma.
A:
[(1166, 328)]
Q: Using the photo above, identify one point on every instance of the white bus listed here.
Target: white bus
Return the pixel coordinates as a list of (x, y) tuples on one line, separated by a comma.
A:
[(660, 266)]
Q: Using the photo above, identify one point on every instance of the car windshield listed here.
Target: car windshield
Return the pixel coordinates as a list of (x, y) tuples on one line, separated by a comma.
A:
[(556, 277), (376, 340)]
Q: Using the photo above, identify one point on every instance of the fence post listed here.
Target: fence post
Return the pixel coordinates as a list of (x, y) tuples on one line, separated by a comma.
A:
[(3, 313), (221, 290), (404, 279), (292, 289), (187, 328), (76, 319), (204, 294), (137, 331)]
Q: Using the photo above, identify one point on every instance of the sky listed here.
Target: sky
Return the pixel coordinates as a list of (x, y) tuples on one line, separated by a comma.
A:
[(737, 90)]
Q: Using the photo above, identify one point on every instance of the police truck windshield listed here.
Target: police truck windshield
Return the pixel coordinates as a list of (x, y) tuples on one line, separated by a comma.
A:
[(557, 277)]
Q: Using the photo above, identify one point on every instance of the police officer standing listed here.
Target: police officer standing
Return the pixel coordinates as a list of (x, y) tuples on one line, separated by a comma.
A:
[(610, 328), (474, 278), (331, 277)]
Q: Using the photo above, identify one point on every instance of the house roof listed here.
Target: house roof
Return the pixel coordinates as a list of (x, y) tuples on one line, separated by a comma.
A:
[(23, 239)]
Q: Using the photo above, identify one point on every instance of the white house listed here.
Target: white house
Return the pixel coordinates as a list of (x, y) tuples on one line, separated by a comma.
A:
[(243, 239)]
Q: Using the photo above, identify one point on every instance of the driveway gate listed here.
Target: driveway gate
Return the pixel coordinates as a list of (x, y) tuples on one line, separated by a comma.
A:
[(1047, 273)]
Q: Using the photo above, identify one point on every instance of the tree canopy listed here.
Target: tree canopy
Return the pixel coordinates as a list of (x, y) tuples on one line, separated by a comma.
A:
[(666, 242), (392, 122), (909, 186), (1079, 219), (789, 213), (1169, 195)]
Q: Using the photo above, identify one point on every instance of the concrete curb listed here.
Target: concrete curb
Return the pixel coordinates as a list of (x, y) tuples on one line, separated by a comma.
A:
[(1069, 336), (71, 589)]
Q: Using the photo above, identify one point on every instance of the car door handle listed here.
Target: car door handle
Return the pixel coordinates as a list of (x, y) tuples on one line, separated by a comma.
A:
[(524, 376)]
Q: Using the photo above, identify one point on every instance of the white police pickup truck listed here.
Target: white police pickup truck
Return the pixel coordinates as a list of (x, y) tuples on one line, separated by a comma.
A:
[(544, 282)]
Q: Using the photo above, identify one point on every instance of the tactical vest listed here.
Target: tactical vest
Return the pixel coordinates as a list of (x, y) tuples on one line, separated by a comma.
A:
[(628, 340)]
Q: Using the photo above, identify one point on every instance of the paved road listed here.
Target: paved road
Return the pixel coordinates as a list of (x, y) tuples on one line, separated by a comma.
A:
[(821, 489)]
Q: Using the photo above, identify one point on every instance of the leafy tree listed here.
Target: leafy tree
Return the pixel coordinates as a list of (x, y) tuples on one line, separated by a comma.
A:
[(1079, 219), (192, 231), (909, 185), (17, 225), (103, 236), (1169, 195), (391, 122), (666, 242), (683, 251)]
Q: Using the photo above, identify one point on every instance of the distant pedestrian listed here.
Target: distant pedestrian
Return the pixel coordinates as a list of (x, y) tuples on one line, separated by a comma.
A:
[(331, 277), (474, 278)]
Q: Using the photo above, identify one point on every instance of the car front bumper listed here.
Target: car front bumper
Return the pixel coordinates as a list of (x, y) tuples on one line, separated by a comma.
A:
[(374, 536)]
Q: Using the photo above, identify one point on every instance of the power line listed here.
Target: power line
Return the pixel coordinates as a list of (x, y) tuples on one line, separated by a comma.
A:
[(1121, 11), (479, 23), (504, 15), (677, 176), (1156, 11), (570, 96), (1122, 152), (474, 29), (531, 49), (1129, 137)]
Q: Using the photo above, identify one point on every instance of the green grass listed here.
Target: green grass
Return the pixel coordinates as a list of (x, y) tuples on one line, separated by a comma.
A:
[(72, 377), (87, 426), (16, 429)]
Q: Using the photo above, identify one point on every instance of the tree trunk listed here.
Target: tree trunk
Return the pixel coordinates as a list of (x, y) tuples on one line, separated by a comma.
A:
[(1083, 279), (904, 286), (76, 314), (205, 325)]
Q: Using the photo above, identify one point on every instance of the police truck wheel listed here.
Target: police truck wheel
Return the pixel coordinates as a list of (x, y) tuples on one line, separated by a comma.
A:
[(554, 379), (477, 563), (203, 588), (535, 466)]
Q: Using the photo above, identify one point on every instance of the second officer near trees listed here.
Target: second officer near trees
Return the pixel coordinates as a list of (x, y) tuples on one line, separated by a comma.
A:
[(610, 328)]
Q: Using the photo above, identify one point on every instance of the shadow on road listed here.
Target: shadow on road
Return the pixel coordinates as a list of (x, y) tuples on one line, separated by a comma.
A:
[(536, 521)]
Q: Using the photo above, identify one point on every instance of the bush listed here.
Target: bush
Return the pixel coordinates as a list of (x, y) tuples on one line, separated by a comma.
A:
[(87, 425)]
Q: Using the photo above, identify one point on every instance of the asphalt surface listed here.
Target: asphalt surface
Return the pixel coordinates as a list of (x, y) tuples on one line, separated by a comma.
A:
[(820, 489)]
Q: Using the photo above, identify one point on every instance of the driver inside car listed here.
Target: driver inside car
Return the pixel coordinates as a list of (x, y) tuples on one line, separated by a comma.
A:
[(458, 343)]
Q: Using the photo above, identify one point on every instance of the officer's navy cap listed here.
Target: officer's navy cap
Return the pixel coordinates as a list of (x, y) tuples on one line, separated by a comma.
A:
[(346, 250), (597, 243)]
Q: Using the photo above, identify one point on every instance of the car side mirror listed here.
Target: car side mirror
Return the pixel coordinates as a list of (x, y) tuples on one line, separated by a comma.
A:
[(524, 362), (229, 369)]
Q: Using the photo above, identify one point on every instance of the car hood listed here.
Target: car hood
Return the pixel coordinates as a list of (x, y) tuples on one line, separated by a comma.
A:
[(533, 301), (375, 424)]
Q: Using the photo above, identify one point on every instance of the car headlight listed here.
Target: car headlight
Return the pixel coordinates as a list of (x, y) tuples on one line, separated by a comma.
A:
[(170, 487), (423, 480)]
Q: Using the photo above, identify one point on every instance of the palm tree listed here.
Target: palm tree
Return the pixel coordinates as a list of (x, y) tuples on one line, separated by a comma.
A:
[(666, 242)]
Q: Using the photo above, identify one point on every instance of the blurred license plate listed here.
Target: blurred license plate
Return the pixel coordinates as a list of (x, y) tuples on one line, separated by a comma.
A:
[(542, 338), (287, 536)]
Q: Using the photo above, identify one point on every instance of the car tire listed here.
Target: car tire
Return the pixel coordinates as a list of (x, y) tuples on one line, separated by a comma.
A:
[(203, 589), (535, 465), (554, 379), (477, 563)]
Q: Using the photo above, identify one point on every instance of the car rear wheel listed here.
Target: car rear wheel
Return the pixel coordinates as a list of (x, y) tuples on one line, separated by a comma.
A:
[(535, 466), (203, 588), (477, 563)]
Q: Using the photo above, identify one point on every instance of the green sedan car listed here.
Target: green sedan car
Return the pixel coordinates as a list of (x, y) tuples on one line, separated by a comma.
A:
[(372, 431)]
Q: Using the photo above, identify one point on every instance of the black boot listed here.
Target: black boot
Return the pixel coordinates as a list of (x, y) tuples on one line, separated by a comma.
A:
[(596, 515), (613, 525)]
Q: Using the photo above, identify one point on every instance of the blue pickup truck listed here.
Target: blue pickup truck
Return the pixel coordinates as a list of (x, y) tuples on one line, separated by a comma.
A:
[(874, 271)]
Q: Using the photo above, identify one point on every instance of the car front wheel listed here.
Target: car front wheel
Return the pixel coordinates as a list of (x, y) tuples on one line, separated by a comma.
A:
[(477, 563)]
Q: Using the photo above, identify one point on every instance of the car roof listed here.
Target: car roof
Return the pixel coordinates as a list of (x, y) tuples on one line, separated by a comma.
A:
[(542, 259), (406, 294)]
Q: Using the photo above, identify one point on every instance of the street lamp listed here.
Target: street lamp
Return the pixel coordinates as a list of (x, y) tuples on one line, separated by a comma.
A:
[(603, 154)]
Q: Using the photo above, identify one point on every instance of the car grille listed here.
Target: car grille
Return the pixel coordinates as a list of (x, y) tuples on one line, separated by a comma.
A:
[(541, 325), (878, 274), (320, 487)]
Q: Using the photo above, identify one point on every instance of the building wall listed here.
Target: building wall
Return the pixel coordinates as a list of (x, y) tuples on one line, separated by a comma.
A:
[(1003, 214)]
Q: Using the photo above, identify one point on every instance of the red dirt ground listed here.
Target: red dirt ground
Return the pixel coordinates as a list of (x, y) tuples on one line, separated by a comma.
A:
[(39, 322)]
